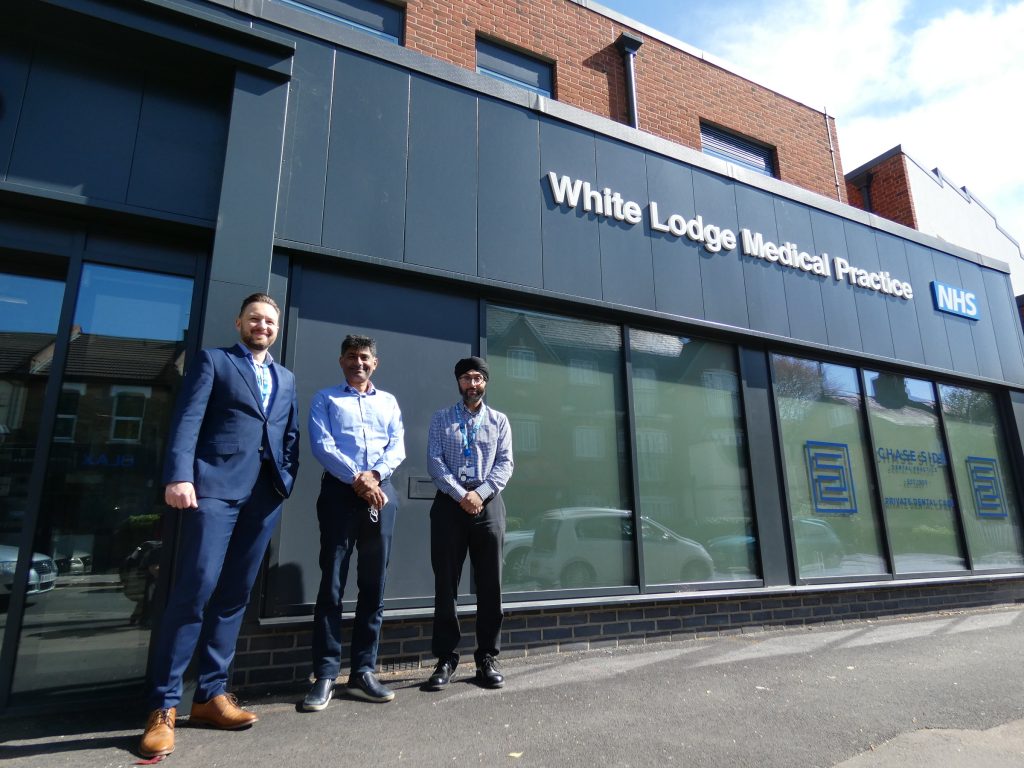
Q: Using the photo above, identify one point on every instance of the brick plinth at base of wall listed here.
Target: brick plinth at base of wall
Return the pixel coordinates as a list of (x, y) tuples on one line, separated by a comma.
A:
[(280, 656)]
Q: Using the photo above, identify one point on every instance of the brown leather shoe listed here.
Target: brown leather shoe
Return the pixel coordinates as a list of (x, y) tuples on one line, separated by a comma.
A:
[(221, 712), (159, 736)]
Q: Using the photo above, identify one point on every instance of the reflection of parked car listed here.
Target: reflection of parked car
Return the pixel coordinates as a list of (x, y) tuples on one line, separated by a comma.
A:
[(738, 553), (517, 547), (42, 577), (593, 546), (75, 564)]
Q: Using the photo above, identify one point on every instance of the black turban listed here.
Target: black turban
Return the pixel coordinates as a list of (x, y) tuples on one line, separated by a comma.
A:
[(472, 364)]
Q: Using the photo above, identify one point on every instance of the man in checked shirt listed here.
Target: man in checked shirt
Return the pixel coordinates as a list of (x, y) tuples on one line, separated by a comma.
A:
[(356, 433), (469, 457)]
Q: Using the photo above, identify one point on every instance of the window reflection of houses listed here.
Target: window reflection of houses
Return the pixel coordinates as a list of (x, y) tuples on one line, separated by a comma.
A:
[(21, 399), (562, 376), (108, 439)]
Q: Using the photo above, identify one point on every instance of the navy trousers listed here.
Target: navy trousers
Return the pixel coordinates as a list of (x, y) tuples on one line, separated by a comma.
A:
[(346, 526), (453, 534), (220, 552)]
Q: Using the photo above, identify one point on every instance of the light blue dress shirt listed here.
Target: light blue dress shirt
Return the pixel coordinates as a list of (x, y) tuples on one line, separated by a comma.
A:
[(352, 432)]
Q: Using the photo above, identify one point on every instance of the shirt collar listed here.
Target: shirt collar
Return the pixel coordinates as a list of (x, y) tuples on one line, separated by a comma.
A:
[(462, 410), (371, 390), (268, 360)]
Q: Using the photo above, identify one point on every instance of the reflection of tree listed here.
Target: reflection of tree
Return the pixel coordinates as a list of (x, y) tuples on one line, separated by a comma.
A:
[(970, 405), (798, 383)]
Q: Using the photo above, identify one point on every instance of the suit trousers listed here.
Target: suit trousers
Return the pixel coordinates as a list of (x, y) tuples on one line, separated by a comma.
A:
[(346, 526), (453, 534), (220, 551)]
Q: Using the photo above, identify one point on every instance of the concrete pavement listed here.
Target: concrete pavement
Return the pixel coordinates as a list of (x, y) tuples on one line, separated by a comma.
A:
[(943, 689)]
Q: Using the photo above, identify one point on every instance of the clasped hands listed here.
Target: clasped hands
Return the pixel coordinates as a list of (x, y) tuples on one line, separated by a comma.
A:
[(367, 487), (472, 504)]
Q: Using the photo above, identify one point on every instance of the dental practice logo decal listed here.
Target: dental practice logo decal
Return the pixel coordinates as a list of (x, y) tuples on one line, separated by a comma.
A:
[(576, 193)]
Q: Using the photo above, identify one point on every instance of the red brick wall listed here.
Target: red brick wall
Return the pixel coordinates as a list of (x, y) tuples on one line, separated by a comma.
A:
[(675, 90), (889, 191)]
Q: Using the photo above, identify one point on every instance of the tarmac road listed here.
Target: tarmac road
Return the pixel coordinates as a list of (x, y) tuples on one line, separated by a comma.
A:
[(942, 689)]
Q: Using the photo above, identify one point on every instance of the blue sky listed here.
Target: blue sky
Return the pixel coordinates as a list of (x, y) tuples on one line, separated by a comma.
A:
[(943, 78)]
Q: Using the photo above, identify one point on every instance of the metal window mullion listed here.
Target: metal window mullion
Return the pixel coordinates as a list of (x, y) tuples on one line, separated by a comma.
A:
[(634, 465), (37, 478)]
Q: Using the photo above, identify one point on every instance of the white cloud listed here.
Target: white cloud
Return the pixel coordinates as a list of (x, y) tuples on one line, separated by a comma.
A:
[(947, 88)]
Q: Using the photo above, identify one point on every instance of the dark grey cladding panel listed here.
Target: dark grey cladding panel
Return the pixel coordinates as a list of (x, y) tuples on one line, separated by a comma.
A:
[(572, 255), (876, 335), (441, 213), (983, 330), (958, 329), (803, 291), (721, 273), (300, 211), (243, 245), (78, 125), (364, 208), (763, 280), (934, 340), (1009, 335), (510, 195), (179, 154), (906, 332), (677, 283), (15, 58), (842, 323), (627, 272)]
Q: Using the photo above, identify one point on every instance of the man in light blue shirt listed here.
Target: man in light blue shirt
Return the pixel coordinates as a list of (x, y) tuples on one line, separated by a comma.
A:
[(356, 433)]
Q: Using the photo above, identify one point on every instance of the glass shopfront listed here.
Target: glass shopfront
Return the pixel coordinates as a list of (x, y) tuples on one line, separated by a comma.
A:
[(885, 495), (692, 461), (85, 404), (834, 514)]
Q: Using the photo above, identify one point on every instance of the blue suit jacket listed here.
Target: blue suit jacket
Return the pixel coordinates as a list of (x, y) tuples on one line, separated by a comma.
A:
[(219, 427)]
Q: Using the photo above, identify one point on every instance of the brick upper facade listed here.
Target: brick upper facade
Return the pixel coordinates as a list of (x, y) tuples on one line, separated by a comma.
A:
[(675, 90), (888, 190)]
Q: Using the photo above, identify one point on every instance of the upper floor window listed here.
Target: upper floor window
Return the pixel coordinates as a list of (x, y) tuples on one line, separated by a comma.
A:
[(129, 409), (514, 67), (736, 149), (374, 17)]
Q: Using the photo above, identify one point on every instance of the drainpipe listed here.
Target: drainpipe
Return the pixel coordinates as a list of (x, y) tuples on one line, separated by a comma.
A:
[(864, 187), (628, 45), (832, 151)]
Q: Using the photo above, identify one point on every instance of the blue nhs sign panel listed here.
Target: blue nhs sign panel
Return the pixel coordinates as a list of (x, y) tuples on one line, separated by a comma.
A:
[(956, 301)]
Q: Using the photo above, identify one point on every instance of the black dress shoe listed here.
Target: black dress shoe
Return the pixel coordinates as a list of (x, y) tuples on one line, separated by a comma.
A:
[(364, 685), (319, 695), (442, 674), (487, 674)]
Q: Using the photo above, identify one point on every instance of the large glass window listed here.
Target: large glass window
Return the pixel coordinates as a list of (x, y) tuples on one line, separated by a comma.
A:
[(984, 479), (692, 461), (102, 500), (833, 507), (29, 313), (917, 498), (569, 497)]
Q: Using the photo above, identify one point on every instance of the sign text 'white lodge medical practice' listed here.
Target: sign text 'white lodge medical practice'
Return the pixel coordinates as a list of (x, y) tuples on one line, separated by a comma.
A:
[(576, 193)]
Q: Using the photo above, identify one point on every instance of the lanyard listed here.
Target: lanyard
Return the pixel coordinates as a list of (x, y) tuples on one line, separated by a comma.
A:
[(469, 434)]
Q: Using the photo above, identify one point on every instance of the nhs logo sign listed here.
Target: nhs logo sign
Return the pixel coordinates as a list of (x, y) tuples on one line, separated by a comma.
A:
[(956, 301)]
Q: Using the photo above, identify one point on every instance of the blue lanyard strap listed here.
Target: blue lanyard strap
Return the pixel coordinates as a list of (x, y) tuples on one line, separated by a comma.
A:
[(469, 435)]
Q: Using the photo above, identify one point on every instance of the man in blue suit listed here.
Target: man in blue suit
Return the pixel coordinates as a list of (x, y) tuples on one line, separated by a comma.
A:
[(231, 461)]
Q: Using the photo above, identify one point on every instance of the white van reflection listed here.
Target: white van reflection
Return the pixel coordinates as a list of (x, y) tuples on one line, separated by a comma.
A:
[(577, 547)]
